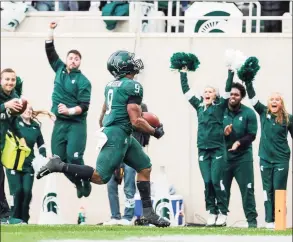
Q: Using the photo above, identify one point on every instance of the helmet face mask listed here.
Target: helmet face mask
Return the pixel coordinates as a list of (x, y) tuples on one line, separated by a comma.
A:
[(122, 63)]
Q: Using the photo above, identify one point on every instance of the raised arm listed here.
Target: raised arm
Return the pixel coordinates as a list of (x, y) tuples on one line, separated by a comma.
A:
[(228, 87), (257, 105), (193, 100), (52, 55), (229, 83)]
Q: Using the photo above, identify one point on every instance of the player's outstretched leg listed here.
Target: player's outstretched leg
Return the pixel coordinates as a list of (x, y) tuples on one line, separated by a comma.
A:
[(144, 188), (55, 164)]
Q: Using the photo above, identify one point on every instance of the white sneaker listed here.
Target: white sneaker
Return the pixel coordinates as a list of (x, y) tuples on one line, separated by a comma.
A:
[(124, 222), (211, 220), (221, 220), (270, 225), (112, 222)]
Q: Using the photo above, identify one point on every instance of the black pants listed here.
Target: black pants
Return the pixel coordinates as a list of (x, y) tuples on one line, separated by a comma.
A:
[(4, 207)]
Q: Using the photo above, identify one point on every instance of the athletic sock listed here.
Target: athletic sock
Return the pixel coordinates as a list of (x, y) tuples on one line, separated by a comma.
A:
[(80, 171), (144, 188)]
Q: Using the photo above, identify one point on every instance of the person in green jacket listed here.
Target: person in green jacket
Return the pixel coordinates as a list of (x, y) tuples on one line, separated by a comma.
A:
[(274, 150), (71, 100), (240, 130), (21, 182), (211, 145), (8, 101)]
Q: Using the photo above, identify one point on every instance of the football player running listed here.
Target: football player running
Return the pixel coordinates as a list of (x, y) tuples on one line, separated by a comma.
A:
[(121, 110)]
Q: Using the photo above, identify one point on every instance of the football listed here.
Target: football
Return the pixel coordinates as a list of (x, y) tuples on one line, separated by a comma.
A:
[(23, 101), (152, 119)]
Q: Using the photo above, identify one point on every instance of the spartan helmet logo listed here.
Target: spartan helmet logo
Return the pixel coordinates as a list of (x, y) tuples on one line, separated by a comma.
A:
[(50, 203), (118, 63), (162, 208)]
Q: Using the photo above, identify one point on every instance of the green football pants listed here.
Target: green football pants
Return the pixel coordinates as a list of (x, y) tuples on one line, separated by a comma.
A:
[(274, 177), (20, 186), (211, 164), (242, 171), (68, 142), (120, 147)]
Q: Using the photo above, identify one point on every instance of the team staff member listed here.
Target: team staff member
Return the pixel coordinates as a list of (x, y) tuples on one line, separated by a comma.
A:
[(274, 150), (71, 100), (240, 130), (8, 100)]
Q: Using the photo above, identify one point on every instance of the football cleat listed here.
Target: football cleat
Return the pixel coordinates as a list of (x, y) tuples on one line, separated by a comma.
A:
[(79, 189), (156, 220), (55, 164), (87, 188)]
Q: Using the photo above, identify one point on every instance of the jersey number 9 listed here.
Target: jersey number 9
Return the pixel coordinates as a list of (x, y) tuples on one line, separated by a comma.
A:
[(109, 101)]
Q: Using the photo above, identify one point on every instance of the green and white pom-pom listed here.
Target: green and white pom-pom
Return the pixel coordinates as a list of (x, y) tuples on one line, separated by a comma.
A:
[(248, 70), (18, 87), (182, 60), (234, 59)]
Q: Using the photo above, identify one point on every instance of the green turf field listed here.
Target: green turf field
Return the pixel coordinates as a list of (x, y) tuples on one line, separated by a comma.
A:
[(34, 233)]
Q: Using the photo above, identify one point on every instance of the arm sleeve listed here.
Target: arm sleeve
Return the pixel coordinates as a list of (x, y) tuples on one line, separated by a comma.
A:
[(257, 105), (52, 55), (84, 96), (228, 86), (251, 130), (41, 145), (225, 99), (247, 140), (146, 137), (2, 108), (193, 100), (15, 129)]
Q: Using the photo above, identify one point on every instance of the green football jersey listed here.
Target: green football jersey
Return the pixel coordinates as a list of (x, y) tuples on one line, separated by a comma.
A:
[(117, 95)]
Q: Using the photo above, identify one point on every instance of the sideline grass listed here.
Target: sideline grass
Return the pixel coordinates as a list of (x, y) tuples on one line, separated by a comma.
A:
[(34, 233)]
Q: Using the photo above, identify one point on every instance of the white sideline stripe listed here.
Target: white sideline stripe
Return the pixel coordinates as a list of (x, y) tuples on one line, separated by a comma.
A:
[(202, 238), (142, 35)]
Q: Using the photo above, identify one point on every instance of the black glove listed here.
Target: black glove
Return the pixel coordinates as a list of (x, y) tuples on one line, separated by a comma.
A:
[(159, 132)]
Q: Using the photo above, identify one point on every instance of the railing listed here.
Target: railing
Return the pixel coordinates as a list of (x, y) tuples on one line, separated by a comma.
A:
[(135, 17)]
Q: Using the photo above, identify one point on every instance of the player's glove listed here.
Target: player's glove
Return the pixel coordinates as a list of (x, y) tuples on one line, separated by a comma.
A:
[(159, 132)]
